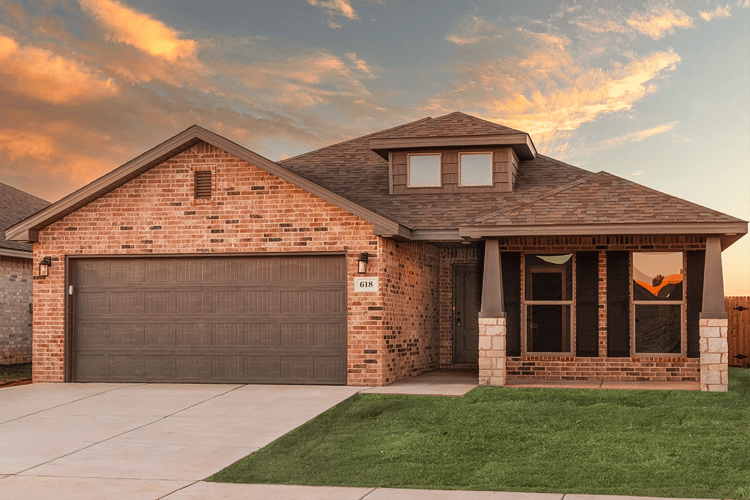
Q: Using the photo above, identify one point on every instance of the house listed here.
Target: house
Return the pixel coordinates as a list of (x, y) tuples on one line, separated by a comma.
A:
[(15, 277), (443, 243)]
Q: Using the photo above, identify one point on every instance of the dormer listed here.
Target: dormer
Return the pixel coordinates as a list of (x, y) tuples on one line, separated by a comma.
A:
[(456, 153)]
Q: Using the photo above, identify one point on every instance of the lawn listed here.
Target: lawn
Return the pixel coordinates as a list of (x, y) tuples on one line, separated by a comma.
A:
[(647, 443), (11, 374)]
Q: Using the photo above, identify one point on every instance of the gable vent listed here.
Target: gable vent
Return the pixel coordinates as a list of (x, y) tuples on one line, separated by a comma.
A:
[(203, 185)]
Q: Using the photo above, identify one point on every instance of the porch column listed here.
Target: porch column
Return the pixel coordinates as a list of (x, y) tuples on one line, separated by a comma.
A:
[(713, 322), (492, 319)]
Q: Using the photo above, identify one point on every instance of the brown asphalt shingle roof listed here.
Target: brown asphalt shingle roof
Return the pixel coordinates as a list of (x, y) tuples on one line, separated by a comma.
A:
[(15, 206), (452, 125), (547, 191), (602, 198)]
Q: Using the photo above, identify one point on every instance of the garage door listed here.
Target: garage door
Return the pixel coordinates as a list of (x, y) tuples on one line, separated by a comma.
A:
[(269, 319)]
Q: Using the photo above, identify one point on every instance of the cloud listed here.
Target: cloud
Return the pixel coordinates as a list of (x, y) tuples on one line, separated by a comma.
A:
[(474, 29), (659, 20), (719, 13), (42, 75), (636, 174), (743, 3), (637, 136), (141, 31), (17, 144), (336, 7)]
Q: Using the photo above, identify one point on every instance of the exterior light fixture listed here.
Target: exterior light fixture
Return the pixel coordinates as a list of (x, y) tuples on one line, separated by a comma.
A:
[(362, 263), (44, 266)]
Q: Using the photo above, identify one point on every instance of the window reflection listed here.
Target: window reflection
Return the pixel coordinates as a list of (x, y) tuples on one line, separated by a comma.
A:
[(657, 276)]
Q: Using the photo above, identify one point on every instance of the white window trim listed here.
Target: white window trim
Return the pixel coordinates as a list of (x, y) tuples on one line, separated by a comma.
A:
[(492, 168), (440, 170), (524, 302), (683, 311)]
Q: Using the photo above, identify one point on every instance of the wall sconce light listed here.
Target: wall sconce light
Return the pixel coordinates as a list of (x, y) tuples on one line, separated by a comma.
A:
[(44, 265), (362, 263)]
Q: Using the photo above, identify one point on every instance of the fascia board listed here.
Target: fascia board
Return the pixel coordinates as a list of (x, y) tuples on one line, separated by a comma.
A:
[(521, 143), (18, 254)]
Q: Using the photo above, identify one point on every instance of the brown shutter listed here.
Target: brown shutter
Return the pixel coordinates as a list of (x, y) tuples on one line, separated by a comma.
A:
[(618, 304), (203, 184), (511, 268), (695, 263), (587, 304)]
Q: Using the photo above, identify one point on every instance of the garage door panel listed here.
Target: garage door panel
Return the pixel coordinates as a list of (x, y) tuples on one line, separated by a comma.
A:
[(126, 334), (214, 319)]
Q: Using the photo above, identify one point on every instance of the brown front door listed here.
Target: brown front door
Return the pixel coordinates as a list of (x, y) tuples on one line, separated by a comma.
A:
[(467, 292), (220, 319)]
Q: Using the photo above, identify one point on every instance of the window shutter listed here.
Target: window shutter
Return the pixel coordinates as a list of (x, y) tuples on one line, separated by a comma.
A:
[(587, 304), (695, 263), (511, 268), (618, 304), (203, 185)]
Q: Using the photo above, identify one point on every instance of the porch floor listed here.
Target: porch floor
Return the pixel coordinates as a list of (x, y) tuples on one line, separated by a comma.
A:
[(459, 382)]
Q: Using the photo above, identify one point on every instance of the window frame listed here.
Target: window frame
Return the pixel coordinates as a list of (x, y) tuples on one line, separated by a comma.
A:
[(439, 172), (571, 353), (682, 303), (476, 153)]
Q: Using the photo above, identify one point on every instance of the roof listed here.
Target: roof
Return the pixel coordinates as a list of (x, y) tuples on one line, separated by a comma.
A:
[(15, 206), (452, 130), (550, 197)]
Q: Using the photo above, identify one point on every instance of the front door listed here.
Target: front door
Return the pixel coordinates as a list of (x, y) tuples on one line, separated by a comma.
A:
[(467, 293)]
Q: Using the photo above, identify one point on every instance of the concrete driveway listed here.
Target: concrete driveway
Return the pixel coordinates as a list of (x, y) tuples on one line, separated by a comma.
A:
[(117, 441)]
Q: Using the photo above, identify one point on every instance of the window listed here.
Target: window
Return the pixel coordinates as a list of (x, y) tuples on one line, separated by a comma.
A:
[(202, 180), (657, 303), (424, 170), (548, 303), (475, 169)]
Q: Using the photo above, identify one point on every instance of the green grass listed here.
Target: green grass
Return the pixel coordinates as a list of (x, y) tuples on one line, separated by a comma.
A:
[(654, 443), (15, 373)]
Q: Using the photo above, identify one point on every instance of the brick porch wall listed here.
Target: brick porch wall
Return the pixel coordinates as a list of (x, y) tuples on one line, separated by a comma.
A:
[(410, 286), (250, 211), (577, 368), (15, 316), (448, 257)]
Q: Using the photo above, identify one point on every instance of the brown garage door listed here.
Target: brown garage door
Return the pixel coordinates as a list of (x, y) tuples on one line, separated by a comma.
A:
[(269, 319)]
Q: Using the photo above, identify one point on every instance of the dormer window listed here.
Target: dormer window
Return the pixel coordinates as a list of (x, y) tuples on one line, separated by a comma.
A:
[(475, 169), (423, 170)]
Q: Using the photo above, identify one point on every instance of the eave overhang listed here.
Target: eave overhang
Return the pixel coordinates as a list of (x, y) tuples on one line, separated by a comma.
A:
[(729, 232), (521, 143), (28, 229), (16, 254)]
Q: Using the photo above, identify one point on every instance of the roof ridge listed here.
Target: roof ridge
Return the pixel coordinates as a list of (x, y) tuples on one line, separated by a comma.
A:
[(397, 127), (542, 196)]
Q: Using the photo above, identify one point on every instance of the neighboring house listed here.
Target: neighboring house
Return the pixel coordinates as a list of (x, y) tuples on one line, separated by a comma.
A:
[(15, 277), (446, 242)]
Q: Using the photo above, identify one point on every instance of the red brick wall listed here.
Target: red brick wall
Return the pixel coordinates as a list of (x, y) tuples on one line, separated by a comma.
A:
[(15, 317), (250, 211), (572, 368), (410, 284)]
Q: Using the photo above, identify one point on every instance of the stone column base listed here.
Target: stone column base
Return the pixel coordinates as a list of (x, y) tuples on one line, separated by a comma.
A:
[(714, 355), (492, 351)]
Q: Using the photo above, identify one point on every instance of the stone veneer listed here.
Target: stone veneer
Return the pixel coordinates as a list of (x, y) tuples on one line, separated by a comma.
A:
[(492, 369), (15, 311), (714, 355)]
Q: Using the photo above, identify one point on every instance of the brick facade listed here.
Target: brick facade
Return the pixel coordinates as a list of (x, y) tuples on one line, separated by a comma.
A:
[(15, 310), (391, 333)]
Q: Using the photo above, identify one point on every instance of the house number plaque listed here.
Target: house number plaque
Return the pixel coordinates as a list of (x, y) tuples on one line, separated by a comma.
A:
[(362, 284)]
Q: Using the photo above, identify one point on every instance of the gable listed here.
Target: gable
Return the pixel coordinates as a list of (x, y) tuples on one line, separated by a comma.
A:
[(28, 229)]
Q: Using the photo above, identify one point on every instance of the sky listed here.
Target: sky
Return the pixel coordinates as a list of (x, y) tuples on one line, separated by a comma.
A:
[(657, 92)]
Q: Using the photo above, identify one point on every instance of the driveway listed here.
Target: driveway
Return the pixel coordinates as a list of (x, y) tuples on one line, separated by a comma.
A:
[(137, 441)]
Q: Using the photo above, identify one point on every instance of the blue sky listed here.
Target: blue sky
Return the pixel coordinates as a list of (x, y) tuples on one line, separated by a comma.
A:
[(655, 92)]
